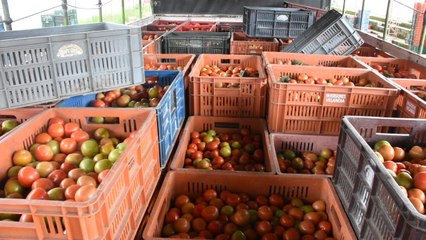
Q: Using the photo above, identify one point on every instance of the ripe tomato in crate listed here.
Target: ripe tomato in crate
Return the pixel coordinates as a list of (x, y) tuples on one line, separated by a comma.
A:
[(394, 68), (240, 135), (376, 197), (119, 202), (309, 100), (180, 62), (304, 154), (228, 86), (244, 188), (282, 58), (170, 108), (11, 118)]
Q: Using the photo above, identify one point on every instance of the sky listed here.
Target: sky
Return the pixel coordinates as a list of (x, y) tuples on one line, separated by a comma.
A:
[(87, 8)]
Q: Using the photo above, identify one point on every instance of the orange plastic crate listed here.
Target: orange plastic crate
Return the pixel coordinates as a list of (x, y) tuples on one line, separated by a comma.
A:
[(312, 59), (194, 184), (120, 201), (23, 114), (242, 44), (207, 98), (409, 105), (403, 64), (369, 51), (221, 125), (318, 109), (186, 61), (151, 45), (300, 143)]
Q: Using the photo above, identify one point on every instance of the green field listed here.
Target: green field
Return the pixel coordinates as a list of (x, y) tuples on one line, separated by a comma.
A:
[(116, 17)]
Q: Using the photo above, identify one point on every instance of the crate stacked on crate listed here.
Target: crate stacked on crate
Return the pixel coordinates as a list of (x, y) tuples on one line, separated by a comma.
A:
[(168, 102), (11, 118), (151, 41), (373, 191), (180, 62), (331, 34), (280, 58), (409, 76), (312, 100), (195, 26), (196, 42), (49, 64), (303, 154), (162, 25), (257, 159), (242, 44), (319, 12), (183, 188), (228, 86), (269, 22), (229, 27), (125, 183)]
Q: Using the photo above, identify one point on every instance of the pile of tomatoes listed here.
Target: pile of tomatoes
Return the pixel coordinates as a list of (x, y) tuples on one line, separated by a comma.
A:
[(408, 168), (227, 215), (135, 96), (343, 81), (228, 71), (393, 71), (65, 163), (307, 162), (240, 151), (162, 67)]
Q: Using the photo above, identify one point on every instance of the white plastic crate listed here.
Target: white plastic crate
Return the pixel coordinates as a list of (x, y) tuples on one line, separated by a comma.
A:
[(47, 64)]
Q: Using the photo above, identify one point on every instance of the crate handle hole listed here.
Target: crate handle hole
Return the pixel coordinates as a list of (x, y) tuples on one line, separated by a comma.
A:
[(226, 125), (102, 120), (167, 60), (333, 214)]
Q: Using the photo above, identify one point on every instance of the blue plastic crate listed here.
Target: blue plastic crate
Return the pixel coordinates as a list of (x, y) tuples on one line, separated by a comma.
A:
[(170, 110)]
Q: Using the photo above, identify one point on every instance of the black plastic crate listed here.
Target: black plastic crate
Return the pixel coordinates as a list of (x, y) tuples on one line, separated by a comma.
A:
[(372, 199), (196, 42), (276, 22), (331, 34)]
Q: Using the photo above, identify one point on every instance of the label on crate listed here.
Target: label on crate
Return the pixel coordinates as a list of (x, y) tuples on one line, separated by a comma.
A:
[(69, 50), (335, 98), (283, 18), (369, 175), (410, 108)]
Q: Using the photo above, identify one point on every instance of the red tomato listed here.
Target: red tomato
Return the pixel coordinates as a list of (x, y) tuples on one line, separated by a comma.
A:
[(210, 213), (70, 191), (326, 226), (66, 182), (265, 213), (27, 175), (263, 227), (56, 130), (43, 153), (84, 193), (43, 138), (86, 180), (209, 194), (38, 193), (80, 136), (69, 128), (420, 181), (57, 176), (391, 165), (68, 145), (44, 183), (56, 120), (102, 175)]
